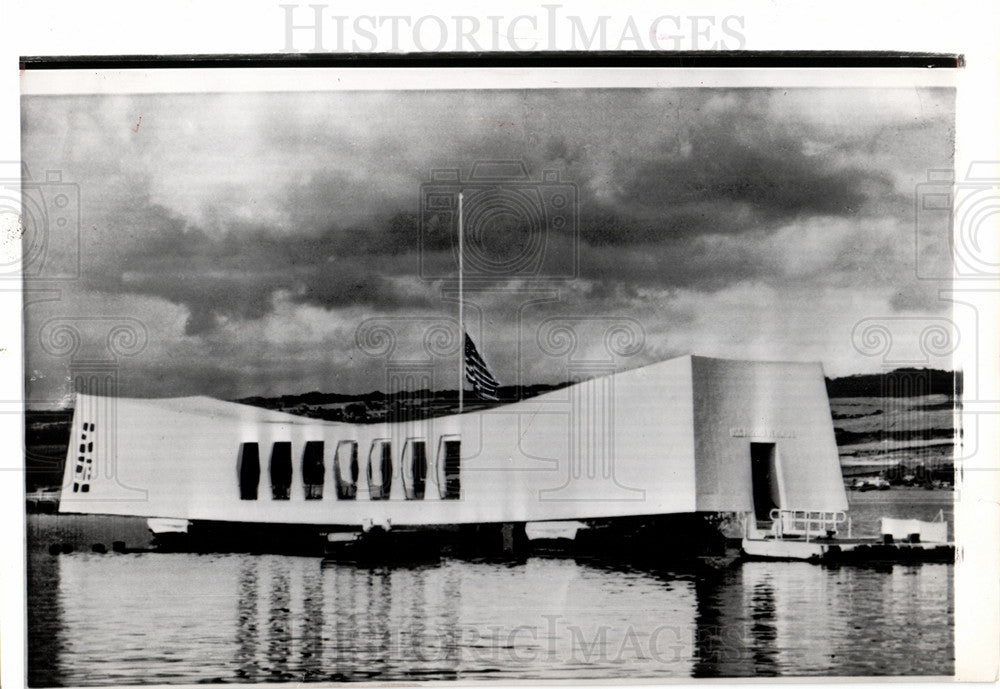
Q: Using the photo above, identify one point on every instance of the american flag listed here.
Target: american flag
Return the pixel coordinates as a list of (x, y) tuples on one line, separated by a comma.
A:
[(477, 373)]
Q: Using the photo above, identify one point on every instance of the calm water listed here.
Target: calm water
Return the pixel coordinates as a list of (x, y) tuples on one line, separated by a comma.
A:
[(179, 618)]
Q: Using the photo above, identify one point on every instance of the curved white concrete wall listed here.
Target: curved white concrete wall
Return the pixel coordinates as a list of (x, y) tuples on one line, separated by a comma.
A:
[(620, 445)]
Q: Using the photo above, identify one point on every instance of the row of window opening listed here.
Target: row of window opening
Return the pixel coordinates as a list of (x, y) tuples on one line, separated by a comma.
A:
[(347, 471), (85, 461)]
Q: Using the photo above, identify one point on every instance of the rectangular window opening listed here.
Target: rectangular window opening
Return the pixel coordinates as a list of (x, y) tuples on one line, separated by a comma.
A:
[(313, 469), (450, 468), (281, 471), (248, 470), (415, 469), (346, 469), (380, 470)]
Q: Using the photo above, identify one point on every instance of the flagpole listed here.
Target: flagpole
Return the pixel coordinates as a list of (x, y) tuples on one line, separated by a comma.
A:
[(461, 314)]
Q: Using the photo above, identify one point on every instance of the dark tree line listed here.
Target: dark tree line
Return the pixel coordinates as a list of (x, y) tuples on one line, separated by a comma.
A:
[(902, 382)]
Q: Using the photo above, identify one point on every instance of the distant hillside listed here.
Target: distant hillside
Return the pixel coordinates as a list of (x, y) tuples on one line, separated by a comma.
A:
[(377, 406), (902, 382)]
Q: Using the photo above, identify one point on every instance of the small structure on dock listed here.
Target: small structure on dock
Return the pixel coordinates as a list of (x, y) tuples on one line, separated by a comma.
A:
[(818, 537), (42, 501)]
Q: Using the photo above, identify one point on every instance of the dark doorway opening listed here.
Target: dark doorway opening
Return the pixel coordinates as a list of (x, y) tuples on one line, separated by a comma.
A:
[(764, 472)]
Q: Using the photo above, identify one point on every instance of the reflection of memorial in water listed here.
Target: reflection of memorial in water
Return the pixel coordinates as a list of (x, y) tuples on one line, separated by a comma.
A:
[(776, 615), (279, 633), (889, 609), (279, 619), (109, 619), (46, 640), (311, 648), (440, 641), (763, 629), (246, 621), (723, 646), (340, 615), (375, 633), (383, 621), (781, 616), (357, 621)]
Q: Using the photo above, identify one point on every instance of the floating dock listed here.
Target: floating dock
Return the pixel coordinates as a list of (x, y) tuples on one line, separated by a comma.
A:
[(847, 550), (813, 537)]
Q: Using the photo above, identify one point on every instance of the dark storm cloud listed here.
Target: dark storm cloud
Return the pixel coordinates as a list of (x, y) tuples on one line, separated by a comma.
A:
[(690, 264), (730, 175), (710, 188), (317, 196), (252, 232), (237, 273)]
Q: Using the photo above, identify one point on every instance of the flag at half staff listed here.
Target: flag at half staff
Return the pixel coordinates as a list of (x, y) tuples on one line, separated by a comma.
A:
[(477, 373)]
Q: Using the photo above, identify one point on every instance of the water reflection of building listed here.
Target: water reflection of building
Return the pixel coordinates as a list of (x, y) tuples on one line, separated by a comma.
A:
[(763, 629), (371, 622), (904, 613), (724, 646), (786, 618), (247, 621), (279, 621), (749, 626), (311, 647), (131, 619), (790, 617), (45, 621)]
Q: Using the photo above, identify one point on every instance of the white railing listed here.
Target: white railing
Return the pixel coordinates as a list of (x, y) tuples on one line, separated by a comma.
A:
[(808, 523)]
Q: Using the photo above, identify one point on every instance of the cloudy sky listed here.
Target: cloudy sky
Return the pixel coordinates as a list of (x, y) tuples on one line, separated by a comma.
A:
[(251, 235)]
